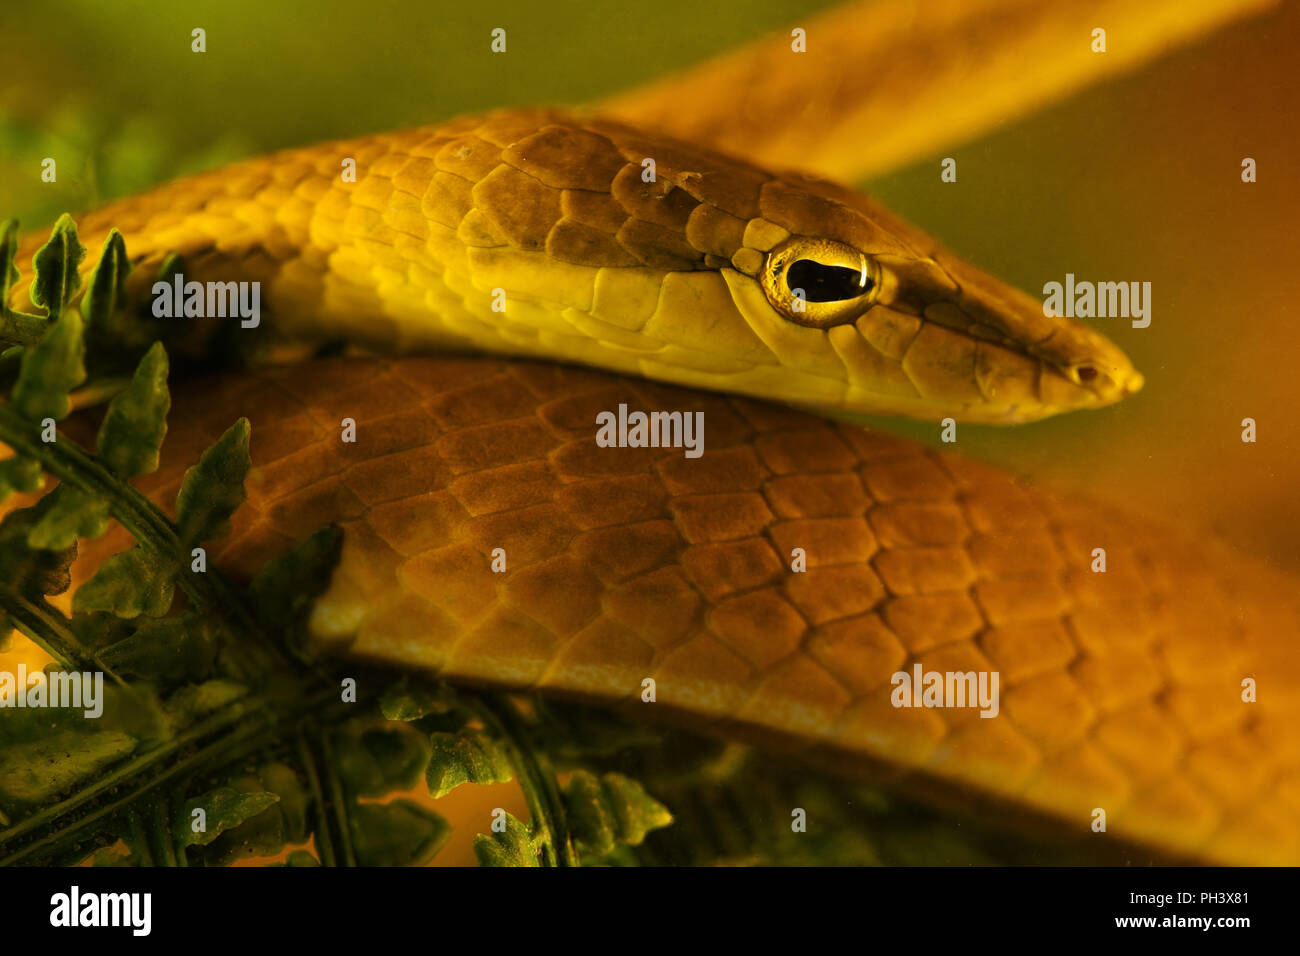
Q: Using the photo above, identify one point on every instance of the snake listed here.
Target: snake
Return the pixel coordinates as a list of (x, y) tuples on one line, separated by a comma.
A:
[(505, 278)]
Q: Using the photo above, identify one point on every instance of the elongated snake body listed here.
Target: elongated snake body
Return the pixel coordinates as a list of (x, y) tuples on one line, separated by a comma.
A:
[(1121, 690)]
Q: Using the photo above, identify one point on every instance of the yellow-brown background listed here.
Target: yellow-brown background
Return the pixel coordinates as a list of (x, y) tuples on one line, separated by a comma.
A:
[(1136, 179)]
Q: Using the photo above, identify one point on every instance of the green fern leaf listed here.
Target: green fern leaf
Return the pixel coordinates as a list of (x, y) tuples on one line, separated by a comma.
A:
[(128, 584), (473, 757), (136, 421), (56, 264), (50, 370), (401, 833), (212, 489), (514, 846)]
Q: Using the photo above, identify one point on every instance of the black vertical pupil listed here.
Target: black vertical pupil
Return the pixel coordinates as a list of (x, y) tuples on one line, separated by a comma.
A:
[(823, 283)]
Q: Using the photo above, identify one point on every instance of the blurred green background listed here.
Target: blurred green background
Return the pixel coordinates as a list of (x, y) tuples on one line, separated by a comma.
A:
[(288, 73), (1135, 179)]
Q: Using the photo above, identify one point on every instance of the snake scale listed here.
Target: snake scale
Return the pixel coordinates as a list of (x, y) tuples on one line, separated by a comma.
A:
[(1120, 690)]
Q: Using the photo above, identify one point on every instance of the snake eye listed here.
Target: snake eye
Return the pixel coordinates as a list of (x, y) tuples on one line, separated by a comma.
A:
[(819, 283)]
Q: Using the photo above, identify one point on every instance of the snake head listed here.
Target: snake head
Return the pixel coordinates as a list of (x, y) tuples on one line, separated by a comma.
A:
[(909, 328), (636, 253)]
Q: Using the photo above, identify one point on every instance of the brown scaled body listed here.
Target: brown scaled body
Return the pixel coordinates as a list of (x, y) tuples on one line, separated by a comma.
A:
[(1119, 690)]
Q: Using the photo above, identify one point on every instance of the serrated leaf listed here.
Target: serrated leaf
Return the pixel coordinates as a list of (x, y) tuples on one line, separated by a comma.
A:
[(136, 420), (51, 369), (604, 812), (401, 833), (512, 847), (173, 264), (182, 648), (14, 326), (106, 290), (380, 758), (636, 811), (25, 571), (31, 773), (74, 514), (591, 818), (411, 700), (129, 584), (21, 475), (97, 631), (224, 808), (189, 704), (8, 249), (266, 833), (56, 264), (471, 757), (212, 489), (282, 594)]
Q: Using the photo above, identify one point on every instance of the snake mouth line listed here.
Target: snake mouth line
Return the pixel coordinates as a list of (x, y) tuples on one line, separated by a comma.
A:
[(1076, 366)]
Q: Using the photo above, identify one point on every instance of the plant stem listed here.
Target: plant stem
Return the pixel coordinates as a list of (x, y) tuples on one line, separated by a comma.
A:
[(536, 778), (47, 628)]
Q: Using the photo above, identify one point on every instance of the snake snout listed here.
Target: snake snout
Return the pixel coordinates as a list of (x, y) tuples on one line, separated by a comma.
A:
[(1109, 382), (1068, 384), (1080, 366)]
